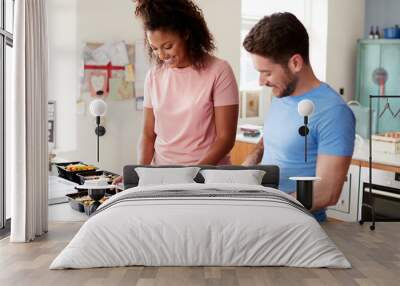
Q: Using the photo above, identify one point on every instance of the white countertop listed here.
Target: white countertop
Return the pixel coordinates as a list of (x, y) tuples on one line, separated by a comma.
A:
[(361, 151), (247, 139)]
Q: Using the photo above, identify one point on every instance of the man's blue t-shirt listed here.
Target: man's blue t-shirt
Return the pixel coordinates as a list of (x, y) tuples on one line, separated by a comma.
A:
[(332, 132)]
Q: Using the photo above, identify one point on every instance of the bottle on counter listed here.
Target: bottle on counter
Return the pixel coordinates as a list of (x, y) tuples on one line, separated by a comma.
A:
[(371, 34), (377, 34)]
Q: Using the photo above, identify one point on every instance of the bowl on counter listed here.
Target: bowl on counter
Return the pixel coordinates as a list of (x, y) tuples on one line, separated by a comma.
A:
[(83, 203), (96, 188), (391, 33)]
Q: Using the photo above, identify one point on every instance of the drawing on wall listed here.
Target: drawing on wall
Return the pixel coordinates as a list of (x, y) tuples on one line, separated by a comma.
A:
[(252, 104), (51, 115), (108, 70), (97, 82), (120, 89)]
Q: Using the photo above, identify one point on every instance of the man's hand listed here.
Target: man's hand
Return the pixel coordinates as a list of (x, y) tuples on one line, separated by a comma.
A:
[(254, 158)]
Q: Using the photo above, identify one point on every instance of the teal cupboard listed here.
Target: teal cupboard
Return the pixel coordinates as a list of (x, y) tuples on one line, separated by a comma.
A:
[(378, 73)]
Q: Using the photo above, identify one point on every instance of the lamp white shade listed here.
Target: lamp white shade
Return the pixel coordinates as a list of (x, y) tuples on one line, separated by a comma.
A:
[(98, 107), (305, 107)]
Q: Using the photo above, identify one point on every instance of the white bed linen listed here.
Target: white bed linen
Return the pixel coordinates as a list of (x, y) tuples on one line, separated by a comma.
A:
[(200, 231)]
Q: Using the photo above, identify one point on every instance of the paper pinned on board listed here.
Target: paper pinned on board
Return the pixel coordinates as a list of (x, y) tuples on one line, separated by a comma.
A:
[(120, 89), (101, 55), (114, 52), (129, 73), (119, 54)]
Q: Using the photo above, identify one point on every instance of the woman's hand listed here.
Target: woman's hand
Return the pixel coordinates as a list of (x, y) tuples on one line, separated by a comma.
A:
[(118, 180)]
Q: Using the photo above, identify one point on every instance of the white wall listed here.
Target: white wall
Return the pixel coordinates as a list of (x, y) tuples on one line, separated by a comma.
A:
[(317, 26), (223, 20), (101, 21), (63, 63), (345, 27)]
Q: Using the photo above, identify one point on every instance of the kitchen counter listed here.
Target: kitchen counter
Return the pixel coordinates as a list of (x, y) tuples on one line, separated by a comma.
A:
[(383, 161), (246, 139)]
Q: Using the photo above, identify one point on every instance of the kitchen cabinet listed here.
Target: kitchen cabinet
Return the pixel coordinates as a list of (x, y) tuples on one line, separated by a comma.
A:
[(240, 151), (379, 57), (347, 206), (386, 190)]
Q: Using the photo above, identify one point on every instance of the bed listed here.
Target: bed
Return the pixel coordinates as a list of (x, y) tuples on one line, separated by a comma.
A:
[(198, 224)]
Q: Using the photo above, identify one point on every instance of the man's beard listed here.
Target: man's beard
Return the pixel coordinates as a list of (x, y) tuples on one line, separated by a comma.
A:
[(290, 87)]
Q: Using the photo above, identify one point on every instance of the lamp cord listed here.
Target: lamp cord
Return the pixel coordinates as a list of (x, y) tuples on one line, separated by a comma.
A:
[(98, 141), (98, 144), (305, 137), (305, 148)]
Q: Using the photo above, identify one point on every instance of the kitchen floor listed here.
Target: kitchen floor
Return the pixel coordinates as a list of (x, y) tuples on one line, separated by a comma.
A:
[(374, 255), (63, 212)]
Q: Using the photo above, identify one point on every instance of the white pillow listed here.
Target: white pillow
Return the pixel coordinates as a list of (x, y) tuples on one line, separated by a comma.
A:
[(164, 176), (248, 177)]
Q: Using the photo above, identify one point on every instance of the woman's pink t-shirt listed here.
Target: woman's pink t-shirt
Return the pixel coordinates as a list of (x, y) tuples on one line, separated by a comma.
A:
[(183, 101)]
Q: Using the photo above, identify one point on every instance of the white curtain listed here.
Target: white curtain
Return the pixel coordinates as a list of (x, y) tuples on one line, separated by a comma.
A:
[(28, 123)]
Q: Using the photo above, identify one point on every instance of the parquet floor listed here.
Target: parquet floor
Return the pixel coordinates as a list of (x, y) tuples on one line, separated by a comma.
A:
[(375, 257)]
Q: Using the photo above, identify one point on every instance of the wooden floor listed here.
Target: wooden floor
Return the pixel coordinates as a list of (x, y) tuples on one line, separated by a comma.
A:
[(375, 257)]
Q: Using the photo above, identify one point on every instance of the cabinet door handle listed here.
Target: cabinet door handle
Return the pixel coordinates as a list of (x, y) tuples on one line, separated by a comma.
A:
[(386, 194)]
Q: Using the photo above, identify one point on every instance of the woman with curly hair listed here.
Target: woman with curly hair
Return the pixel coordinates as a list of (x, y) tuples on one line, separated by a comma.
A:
[(191, 97)]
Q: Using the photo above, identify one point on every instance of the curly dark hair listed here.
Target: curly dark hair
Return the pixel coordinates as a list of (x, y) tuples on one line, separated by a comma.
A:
[(182, 17), (278, 36)]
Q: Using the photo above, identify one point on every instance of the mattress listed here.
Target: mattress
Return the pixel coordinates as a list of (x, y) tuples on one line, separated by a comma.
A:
[(201, 225)]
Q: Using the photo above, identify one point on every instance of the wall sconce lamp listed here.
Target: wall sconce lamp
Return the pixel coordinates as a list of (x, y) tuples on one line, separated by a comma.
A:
[(305, 108), (98, 108), (304, 185)]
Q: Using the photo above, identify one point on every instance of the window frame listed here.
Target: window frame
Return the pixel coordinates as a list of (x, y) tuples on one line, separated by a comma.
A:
[(6, 39), (247, 22)]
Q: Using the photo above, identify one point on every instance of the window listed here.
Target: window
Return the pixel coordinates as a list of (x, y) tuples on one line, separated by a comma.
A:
[(248, 74), (252, 12), (6, 44)]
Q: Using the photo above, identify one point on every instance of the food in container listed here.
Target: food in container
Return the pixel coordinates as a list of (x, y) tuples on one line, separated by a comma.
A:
[(70, 170)]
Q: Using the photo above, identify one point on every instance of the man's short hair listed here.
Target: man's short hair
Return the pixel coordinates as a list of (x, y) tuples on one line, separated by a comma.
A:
[(278, 37)]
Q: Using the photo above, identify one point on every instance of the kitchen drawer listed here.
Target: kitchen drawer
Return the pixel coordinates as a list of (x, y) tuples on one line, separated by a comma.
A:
[(380, 177)]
